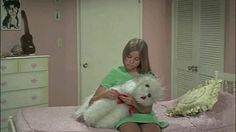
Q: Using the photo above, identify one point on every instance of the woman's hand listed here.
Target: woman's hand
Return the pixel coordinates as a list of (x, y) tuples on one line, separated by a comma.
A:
[(128, 99), (111, 94)]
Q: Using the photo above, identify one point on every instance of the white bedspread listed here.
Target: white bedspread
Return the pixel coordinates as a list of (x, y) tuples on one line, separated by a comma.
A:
[(60, 119)]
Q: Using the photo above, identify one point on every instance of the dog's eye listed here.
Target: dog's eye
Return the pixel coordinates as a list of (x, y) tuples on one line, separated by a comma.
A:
[(149, 95), (147, 85)]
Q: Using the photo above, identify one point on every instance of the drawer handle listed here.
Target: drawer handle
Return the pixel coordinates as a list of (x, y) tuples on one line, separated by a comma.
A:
[(3, 83), (3, 101), (34, 80), (3, 68), (34, 97), (33, 65)]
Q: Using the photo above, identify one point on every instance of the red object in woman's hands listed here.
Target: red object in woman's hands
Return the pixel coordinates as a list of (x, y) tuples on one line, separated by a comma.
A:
[(121, 100)]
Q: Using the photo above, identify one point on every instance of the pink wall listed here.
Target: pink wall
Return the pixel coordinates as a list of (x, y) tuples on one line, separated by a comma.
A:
[(157, 33), (46, 31), (63, 61)]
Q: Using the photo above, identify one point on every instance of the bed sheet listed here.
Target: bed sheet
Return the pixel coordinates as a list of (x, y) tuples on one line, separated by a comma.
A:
[(60, 119)]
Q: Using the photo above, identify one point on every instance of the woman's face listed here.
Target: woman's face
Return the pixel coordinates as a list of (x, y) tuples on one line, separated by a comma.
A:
[(132, 61)]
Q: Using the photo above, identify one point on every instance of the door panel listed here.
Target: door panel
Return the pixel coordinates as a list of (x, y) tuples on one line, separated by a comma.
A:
[(197, 41), (211, 45), (105, 28), (183, 46)]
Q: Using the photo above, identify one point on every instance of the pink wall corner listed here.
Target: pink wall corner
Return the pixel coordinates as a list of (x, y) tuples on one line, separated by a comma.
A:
[(157, 33), (46, 32), (230, 37)]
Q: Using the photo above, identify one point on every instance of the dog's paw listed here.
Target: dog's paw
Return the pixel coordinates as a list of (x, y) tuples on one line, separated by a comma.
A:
[(89, 119), (80, 118), (89, 125)]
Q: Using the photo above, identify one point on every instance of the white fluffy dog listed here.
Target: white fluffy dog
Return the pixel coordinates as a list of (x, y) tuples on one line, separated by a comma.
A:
[(104, 113)]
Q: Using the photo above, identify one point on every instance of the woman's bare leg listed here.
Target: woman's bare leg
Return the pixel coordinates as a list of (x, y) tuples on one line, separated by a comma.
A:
[(130, 127), (150, 127)]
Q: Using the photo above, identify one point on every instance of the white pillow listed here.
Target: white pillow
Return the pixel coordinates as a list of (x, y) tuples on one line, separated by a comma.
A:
[(198, 100)]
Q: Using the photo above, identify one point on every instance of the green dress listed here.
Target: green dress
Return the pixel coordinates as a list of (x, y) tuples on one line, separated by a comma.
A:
[(117, 77)]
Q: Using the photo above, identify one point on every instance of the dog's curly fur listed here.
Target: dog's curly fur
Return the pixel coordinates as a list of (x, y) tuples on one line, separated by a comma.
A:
[(104, 113)]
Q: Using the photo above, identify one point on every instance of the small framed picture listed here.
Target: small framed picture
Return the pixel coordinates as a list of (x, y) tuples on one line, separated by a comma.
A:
[(10, 15)]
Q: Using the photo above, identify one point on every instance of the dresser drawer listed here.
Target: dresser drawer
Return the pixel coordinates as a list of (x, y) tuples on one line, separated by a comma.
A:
[(9, 66), (33, 64), (6, 113), (24, 80), (23, 98)]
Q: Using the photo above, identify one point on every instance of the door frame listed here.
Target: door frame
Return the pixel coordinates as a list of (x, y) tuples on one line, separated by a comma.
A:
[(78, 51), (173, 17)]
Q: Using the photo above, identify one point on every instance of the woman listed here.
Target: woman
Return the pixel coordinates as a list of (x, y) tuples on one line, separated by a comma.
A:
[(136, 62)]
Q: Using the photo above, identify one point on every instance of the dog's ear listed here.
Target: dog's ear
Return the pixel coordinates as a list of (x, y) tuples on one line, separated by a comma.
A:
[(156, 88), (149, 76)]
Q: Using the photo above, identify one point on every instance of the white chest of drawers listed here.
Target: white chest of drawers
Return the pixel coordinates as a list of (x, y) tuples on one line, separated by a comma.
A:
[(24, 83)]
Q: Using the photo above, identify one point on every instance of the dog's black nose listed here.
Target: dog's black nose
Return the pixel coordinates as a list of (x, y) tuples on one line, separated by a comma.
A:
[(149, 95), (147, 85)]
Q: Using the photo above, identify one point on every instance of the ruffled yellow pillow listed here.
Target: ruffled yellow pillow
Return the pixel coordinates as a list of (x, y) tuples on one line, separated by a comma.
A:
[(198, 100)]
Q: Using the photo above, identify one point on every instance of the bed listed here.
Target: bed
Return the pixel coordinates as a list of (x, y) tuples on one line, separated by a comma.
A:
[(60, 119)]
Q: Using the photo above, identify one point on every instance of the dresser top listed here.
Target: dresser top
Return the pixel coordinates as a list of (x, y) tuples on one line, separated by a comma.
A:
[(25, 57)]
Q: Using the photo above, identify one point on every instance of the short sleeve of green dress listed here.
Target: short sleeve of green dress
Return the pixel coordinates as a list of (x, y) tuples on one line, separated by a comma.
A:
[(117, 77)]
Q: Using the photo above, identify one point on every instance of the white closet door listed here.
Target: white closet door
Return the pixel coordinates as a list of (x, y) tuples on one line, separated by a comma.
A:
[(197, 41)]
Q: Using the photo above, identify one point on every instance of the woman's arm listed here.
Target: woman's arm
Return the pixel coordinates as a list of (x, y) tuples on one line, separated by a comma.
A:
[(103, 93)]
